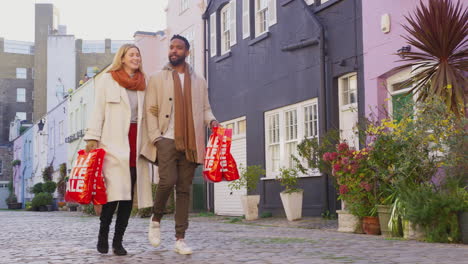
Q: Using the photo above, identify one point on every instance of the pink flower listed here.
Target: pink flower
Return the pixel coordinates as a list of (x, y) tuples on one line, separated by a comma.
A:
[(366, 186), (345, 161), (326, 156), (343, 146), (337, 167), (334, 155), (344, 189)]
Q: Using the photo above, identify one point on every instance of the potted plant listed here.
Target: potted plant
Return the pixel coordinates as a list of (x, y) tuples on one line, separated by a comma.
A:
[(12, 200), (356, 184), (41, 200), (249, 178), (292, 196)]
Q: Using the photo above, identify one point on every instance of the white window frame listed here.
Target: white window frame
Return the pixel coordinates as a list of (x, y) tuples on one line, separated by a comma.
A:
[(396, 79), (245, 19), (21, 97), (265, 16), (23, 114), (184, 5), (189, 34), (234, 124), (348, 105), (225, 29), (21, 73), (282, 141), (213, 46), (93, 46)]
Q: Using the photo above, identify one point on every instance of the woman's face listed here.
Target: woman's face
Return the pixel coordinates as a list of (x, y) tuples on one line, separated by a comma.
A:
[(132, 59)]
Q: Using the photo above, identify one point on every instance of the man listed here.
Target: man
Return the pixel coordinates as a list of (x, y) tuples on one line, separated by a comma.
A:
[(178, 112)]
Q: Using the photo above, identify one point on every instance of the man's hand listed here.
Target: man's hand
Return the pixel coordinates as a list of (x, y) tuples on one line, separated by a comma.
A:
[(214, 123), (91, 144), (154, 110)]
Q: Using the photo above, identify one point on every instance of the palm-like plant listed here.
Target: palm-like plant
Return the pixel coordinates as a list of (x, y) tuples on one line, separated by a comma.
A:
[(440, 64)]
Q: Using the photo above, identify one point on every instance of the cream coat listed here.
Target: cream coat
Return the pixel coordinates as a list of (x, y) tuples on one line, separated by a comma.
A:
[(109, 124), (160, 92)]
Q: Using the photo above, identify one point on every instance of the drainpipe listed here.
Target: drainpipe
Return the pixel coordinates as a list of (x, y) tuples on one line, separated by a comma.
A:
[(322, 92), (205, 16)]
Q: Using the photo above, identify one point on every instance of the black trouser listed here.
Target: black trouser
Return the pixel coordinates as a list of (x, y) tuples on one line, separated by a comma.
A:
[(123, 213)]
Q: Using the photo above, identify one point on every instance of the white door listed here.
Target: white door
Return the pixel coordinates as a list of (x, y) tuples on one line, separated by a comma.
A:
[(227, 202), (4, 192), (347, 90)]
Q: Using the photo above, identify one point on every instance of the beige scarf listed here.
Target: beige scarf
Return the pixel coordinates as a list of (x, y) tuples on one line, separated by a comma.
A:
[(184, 131)]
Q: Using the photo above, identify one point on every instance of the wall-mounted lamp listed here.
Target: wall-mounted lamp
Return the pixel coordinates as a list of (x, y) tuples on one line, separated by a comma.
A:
[(40, 125), (401, 52)]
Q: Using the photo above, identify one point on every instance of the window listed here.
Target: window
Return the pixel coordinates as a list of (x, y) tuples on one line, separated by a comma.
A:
[(285, 128), (1, 167), (94, 46), (20, 95), (21, 115), (21, 73), (348, 89), (237, 125), (116, 44), (225, 30), (245, 18), (61, 133), (189, 34), (401, 102), (265, 15), (184, 5), (213, 49), (91, 71), (18, 47)]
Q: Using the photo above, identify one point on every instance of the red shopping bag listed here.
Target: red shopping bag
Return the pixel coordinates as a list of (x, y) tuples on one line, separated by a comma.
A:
[(86, 179), (228, 164), (219, 164), (211, 167)]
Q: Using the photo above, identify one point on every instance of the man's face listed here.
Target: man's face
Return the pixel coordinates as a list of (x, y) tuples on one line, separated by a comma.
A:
[(177, 52)]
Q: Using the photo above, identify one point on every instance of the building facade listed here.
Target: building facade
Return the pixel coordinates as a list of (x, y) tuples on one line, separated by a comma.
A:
[(279, 72)]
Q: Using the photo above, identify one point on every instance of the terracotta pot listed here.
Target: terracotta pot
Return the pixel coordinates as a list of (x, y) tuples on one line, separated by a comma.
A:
[(371, 225)]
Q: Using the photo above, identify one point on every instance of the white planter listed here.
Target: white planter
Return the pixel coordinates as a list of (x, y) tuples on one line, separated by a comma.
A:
[(348, 222), (412, 231), (292, 203), (250, 206)]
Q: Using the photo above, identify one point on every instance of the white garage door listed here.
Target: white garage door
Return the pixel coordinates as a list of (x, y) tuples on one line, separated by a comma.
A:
[(227, 202)]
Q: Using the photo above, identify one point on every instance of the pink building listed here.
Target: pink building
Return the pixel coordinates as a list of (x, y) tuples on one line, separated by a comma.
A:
[(382, 38), (184, 17), (153, 47)]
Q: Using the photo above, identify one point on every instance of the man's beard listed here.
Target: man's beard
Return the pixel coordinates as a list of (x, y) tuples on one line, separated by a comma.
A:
[(178, 61)]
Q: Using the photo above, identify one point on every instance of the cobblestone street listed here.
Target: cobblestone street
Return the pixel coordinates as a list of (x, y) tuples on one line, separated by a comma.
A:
[(65, 237)]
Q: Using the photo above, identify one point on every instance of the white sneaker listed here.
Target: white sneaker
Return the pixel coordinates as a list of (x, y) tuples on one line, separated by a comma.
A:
[(182, 248), (154, 233)]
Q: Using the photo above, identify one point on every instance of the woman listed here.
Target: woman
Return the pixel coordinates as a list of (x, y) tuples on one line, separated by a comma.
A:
[(115, 127)]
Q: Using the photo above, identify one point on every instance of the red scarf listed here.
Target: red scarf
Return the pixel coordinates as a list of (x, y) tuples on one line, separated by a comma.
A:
[(136, 83)]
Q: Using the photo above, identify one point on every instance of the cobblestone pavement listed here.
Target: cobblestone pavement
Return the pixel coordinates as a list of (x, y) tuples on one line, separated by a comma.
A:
[(65, 237)]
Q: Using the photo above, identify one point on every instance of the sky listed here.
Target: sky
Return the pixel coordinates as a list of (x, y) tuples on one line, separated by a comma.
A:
[(86, 19)]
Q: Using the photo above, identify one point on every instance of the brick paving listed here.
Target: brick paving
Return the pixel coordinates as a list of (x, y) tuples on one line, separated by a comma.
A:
[(70, 237)]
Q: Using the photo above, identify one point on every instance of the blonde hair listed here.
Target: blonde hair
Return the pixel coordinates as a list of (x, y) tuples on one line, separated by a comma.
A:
[(117, 62)]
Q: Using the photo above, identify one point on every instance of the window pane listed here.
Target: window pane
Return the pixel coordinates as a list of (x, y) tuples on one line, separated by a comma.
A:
[(352, 89), (402, 106), (273, 127), (21, 73), (21, 95), (291, 125), (345, 91), (241, 127), (274, 157), (230, 126), (21, 115), (290, 151)]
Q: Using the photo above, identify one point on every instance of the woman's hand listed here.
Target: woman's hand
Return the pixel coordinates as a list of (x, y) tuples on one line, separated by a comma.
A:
[(91, 144), (154, 110)]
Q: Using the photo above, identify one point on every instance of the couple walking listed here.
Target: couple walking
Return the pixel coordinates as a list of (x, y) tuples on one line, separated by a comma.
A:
[(136, 121)]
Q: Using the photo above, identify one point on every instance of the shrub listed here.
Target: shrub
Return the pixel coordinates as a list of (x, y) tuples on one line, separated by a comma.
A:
[(41, 199), (37, 188), (49, 187), (288, 179), (249, 178)]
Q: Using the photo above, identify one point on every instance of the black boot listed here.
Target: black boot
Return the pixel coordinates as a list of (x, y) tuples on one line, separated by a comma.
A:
[(103, 240), (105, 219), (117, 247)]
